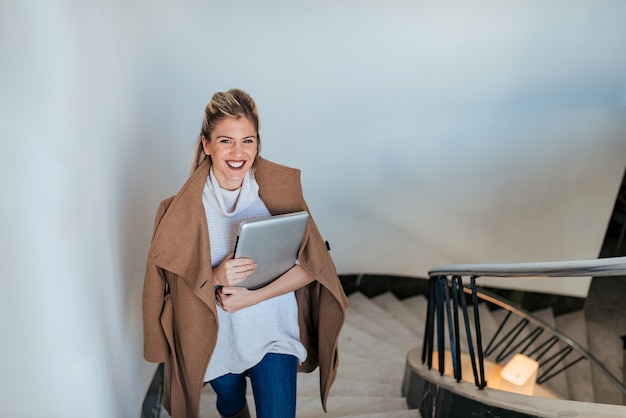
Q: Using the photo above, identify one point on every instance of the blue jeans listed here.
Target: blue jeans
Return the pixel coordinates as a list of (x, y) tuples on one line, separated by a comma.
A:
[(273, 382)]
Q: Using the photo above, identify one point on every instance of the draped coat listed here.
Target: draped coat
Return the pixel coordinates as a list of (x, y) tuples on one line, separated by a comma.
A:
[(179, 308)]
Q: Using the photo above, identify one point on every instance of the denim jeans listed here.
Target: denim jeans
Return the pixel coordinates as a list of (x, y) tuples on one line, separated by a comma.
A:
[(273, 382)]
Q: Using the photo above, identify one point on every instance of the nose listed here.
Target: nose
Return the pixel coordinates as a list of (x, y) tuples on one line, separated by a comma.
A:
[(237, 147)]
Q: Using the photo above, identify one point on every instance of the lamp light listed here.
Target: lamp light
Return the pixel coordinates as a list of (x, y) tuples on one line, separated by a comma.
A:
[(519, 375)]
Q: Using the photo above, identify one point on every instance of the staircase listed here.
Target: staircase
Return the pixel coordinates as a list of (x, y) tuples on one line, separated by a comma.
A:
[(378, 334), (373, 346)]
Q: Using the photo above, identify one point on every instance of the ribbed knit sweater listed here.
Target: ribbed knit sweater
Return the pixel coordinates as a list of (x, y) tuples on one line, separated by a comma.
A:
[(244, 337)]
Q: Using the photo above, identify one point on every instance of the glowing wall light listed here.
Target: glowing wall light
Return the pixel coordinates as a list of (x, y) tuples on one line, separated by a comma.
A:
[(519, 375)]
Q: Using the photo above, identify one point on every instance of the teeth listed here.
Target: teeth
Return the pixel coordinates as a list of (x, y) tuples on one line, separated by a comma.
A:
[(235, 164)]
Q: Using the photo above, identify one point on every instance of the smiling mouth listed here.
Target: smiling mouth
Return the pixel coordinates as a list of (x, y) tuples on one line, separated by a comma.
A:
[(235, 164)]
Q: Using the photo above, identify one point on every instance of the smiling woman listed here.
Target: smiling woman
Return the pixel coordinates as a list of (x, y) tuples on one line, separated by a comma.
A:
[(233, 105), (197, 320), (232, 147)]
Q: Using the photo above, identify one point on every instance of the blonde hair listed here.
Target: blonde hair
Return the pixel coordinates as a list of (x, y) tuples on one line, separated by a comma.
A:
[(234, 103)]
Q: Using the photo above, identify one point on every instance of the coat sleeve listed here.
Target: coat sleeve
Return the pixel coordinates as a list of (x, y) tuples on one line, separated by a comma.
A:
[(155, 345)]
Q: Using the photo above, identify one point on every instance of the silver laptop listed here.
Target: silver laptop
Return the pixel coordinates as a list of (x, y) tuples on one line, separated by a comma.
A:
[(272, 243)]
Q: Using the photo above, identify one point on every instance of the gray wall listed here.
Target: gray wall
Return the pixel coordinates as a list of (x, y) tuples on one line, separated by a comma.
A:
[(428, 133)]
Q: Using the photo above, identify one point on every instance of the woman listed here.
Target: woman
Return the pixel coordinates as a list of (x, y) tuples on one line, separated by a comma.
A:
[(196, 320)]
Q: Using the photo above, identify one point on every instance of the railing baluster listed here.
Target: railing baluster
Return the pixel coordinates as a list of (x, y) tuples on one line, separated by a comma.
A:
[(457, 338), (446, 295), (493, 340), (533, 337), (427, 346), (479, 340), (549, 343), (468, 331), (555, 359), (504, 353), (441, 341), (543, 378)]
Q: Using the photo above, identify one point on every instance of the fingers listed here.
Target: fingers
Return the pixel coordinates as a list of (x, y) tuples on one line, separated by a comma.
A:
[(238, 270), (231, 299), (242, 264), (233, 271)]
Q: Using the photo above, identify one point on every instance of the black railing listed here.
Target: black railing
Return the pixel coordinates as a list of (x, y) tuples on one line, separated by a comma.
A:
[(447, 297)]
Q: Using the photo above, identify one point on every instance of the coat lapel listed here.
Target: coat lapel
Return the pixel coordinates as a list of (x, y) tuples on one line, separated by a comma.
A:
[(279, 187), (181, 242)]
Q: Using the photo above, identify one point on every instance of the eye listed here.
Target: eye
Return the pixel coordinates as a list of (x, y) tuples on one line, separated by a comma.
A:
[(225, 141), (249, 140)]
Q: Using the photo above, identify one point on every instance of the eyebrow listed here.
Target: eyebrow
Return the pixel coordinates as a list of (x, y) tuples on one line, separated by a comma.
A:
[(230, 137)]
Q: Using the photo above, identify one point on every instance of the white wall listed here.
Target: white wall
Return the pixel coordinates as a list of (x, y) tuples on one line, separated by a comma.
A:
[(428, 133)]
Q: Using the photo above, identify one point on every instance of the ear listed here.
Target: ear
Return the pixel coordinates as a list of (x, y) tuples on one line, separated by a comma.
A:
[(205, 145)]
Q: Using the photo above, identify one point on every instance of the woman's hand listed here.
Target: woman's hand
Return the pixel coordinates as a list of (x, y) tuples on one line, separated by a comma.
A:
[(232, 298), (232, 271)]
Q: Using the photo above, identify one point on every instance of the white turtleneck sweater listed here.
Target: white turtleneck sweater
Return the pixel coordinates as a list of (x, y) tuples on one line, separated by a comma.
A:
[(244, 337)]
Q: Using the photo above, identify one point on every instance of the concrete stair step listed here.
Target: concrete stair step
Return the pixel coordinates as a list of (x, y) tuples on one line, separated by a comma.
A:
[(346, 406), (417, 305), (363, 345), (358, 361), (559, 382), (413, 321), (207, 405), (381, 373), (607, 347), (365, 383), (381, 323), (579, 378), (409, 413)]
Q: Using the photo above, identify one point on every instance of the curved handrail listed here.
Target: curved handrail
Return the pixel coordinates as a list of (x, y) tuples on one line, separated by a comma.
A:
[(439, 305), (614, 266)]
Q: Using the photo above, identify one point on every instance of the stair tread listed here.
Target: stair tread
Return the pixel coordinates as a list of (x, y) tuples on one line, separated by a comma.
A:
[(348, 357), (413, 321), (384, 376), (607, 347), (365, 345), (417, 304), (558, 382), (341, 406), (579, 378), (364, 387), (377, 318), (409, 413), (346, 375)]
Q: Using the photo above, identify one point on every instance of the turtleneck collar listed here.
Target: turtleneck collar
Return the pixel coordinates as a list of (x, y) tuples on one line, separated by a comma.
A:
[(230, 202)]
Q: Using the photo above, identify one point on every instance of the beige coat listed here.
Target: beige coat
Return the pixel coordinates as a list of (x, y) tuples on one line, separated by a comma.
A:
[(179, 311)]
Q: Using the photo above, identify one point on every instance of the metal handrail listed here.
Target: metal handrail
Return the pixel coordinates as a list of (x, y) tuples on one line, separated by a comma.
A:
[(439, 302), (614, 266)]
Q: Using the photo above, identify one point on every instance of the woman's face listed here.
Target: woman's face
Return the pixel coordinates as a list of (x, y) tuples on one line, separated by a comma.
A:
[(233, 147)]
